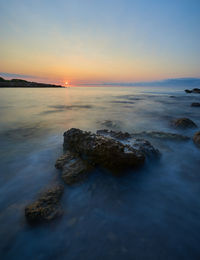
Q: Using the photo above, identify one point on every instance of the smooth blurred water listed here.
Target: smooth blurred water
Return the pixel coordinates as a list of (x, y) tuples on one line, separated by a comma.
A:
[(149, 214)]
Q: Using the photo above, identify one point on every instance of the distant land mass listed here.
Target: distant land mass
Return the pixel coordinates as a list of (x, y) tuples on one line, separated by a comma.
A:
[(20, 83), (189, 82)]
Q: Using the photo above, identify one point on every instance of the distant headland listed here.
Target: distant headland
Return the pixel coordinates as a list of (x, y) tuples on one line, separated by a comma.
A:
[(20, 83)]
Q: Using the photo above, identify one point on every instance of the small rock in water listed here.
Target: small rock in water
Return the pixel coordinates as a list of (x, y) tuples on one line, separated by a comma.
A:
[(47, 207), (74, 169), (194, 90), (195, 105), (196, 139), (183, 123)]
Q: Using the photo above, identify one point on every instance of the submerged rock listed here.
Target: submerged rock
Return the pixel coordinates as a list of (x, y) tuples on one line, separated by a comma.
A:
[(161, 135), (145, 134), (47, 207), (194, 90), (183, 123), (196, 139), (195, 104), (74, 169), (104, 151)]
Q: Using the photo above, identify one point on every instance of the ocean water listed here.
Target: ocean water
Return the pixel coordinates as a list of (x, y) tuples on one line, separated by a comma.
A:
[(152, 213)]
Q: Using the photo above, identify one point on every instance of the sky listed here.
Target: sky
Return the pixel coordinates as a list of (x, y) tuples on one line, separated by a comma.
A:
[(94, 41)]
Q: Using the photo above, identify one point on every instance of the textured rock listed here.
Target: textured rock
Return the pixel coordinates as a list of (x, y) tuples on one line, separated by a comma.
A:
[(117, 135), (47, 207), (183, 123), (196, 139), (74, 169), (141, 145), (107, 152)]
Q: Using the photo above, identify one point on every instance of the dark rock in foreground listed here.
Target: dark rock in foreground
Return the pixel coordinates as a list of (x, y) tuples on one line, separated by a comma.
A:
[(195, 105), (196, 139), (74, 169), (107, 151), (194, 90), (103, 151), (183, 123), (47, 207)]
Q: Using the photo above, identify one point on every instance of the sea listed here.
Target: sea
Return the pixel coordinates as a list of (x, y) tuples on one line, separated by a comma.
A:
[(150, 213)]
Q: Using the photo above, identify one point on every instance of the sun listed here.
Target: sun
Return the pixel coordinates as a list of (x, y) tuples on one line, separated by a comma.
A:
[(66, 83)]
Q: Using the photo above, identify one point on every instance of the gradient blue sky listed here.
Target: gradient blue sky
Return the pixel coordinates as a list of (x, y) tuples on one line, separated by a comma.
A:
[(100, 40)]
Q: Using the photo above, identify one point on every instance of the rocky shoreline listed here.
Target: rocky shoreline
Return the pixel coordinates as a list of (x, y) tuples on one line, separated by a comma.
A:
[(19, 83), (115, 152), (112, 151)]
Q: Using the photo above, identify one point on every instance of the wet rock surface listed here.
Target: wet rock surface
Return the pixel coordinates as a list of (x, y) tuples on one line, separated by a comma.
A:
[(144, 134), (183, 123), (114, 151), (194, 90), (118, 135), (196, 139), (139, 144), (196, 104), (74, 169), (46, 207), (102, 150)]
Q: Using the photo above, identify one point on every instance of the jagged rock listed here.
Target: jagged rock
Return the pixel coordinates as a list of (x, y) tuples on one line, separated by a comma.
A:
[(105, 151), (194, 90), (74, 169), (47, 207), (196, 139), (161, 135), (141, 145), (118, 135), (195, 104), (183, 123)]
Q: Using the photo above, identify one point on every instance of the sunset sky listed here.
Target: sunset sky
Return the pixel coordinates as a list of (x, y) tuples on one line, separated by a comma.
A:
[(94, 41)]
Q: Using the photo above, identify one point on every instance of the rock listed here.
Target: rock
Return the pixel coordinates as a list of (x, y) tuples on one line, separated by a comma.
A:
[(188, 91), (118, 135), (142, 145), (183, 123), (196, 139), (47, 207), (104, 151), (161, 135), (195, 105), (74, 169), (194, 90)]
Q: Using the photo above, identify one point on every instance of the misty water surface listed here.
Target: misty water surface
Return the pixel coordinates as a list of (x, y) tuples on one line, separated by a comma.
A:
[(152, 213)]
